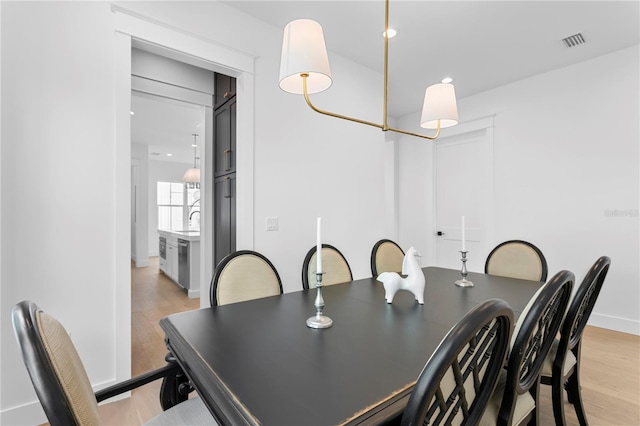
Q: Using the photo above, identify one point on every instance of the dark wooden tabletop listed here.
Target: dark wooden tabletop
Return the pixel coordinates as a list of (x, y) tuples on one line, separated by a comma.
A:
[(257, 362)]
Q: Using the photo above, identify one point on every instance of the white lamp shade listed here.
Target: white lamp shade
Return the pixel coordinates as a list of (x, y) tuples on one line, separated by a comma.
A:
[(439, 104), (191, 176), (304, 51)]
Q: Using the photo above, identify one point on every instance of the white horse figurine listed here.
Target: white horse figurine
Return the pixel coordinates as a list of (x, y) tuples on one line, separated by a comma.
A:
[(414, 280)]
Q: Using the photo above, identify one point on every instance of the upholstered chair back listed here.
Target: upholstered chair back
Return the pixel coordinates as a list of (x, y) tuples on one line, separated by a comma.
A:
[(517, 259), (334, 265), (244, 275), (55, 368), (386, 256)]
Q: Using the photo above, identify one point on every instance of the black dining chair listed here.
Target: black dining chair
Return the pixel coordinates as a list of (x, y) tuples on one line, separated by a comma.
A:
[(244, 275), (562, 367), (62, 384), (517, 259), (386, 256), (334, 265), (459, 378), (515, 400)]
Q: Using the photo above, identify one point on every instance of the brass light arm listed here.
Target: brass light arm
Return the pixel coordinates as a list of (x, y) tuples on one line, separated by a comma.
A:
[(404, 132), (356, 120), (331, 114)]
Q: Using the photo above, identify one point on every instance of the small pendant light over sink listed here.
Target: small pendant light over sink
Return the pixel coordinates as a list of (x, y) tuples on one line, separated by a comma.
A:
[(192, 175)]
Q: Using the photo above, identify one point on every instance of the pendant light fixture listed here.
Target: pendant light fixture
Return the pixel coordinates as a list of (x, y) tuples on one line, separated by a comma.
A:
[(192, 176), (304, 69)]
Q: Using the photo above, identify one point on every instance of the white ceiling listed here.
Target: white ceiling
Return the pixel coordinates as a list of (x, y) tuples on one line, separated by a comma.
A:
[(481, 44), (167, 126)]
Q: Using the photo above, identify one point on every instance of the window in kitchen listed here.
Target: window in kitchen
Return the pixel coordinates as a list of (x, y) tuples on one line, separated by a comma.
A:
[(178, 206), (170, 205)]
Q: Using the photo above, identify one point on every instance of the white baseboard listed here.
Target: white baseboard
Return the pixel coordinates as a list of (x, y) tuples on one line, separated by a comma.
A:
[(609, 322), (32, 413), (27, 414), (142, 263), (193, 294)]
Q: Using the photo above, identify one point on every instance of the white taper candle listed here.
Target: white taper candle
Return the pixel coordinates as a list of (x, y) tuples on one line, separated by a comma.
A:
[(464, 248), (319, 248)]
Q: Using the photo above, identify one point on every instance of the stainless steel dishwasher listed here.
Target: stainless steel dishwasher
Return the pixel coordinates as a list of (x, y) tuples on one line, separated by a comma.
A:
[(183, 263)]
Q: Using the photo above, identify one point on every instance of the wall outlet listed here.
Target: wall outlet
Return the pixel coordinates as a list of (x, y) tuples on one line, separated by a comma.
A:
[(272, 223)]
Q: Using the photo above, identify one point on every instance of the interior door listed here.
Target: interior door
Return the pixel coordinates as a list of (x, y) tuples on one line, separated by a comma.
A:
[(464, 187)]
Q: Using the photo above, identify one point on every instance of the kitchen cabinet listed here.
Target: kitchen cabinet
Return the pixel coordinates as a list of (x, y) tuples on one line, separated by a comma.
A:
[(225, 89), (224, 172), (181, 266), (224, 220), (169, 264), (225, 139)]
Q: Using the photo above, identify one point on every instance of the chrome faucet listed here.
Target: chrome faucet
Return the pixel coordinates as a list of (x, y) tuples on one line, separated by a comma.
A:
[(194, 211)]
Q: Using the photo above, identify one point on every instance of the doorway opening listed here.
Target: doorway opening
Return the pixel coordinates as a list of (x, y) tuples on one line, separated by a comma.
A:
[(134, 31), (171, 120)]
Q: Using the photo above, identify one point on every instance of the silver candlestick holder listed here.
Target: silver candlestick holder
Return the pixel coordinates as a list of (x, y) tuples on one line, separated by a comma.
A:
[(464, 282), (319, 320)]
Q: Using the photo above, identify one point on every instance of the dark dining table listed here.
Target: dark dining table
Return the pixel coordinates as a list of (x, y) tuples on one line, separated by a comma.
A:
[(256, 362)]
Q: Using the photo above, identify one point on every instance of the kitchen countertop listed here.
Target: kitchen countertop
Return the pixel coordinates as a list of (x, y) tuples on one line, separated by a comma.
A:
[(189, 235)]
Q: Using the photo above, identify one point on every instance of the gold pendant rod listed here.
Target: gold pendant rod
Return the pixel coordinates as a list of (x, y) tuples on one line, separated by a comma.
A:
[(404, 132), (384, 126), (332, 114)]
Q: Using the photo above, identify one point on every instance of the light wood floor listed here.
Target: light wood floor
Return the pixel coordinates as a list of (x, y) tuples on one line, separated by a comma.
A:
[(610, 362), (153, 296)]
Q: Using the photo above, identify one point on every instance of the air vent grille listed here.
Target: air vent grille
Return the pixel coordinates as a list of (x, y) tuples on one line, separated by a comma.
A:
[(574, 40)]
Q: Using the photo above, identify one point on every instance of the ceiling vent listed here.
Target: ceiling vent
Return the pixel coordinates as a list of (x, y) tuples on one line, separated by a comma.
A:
[(574, 40)]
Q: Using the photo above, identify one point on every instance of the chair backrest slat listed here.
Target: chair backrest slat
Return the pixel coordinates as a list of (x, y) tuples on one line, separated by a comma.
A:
[(537, 328), (582, 303), (457, 381)]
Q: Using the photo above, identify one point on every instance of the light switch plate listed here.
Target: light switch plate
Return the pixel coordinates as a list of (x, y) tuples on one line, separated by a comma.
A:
[(271, 223)]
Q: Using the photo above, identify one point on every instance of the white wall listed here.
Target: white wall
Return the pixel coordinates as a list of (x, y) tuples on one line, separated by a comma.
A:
[(326, 167), (566, 155), (59, 228), (58, 219), (2, 310)]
